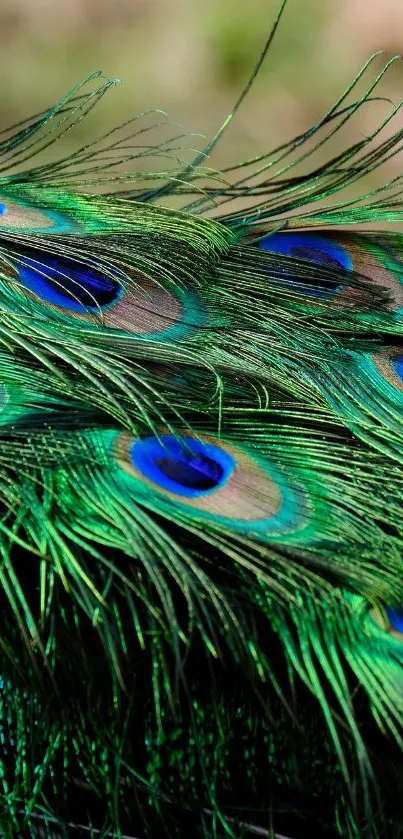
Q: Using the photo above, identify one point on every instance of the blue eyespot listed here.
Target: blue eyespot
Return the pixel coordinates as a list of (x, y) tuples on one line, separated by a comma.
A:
[(395, 615), (69, 284), (397, 365), (3, 209), (318, 250), (184, 466)]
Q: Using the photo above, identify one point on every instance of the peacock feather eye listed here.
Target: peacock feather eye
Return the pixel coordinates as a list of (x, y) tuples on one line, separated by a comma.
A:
[(69, 284), (395, 617), (318, 251), (188, 468), (368, 273), (125, 302), (214, 479), (22, 217), (397, 365), (388, 621)]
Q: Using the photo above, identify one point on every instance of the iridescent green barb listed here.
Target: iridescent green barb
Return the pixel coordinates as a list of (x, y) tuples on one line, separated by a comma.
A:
[(200, 483)]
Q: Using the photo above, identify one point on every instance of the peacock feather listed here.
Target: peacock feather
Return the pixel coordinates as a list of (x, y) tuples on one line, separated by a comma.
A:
[(201, 541)]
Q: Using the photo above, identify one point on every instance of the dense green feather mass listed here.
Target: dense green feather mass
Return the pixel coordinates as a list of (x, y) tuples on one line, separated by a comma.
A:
[(200, 487)]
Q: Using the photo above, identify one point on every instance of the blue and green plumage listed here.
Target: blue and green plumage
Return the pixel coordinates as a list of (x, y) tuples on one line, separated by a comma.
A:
[(200, 489)]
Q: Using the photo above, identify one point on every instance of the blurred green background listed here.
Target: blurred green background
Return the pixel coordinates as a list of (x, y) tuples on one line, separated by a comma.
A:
[(192, 58)]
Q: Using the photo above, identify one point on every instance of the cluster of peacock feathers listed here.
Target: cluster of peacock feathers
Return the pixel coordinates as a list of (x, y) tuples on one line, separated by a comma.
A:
[(200, 486)]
